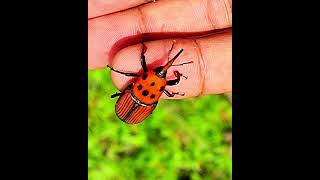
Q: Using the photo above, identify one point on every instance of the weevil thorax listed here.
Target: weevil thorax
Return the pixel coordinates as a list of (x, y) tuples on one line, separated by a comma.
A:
[(149, 87)]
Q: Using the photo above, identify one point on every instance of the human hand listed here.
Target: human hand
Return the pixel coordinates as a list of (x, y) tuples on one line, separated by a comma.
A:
[(116, 28)]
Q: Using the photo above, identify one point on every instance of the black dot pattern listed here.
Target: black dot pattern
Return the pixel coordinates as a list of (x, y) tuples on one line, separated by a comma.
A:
[(152, 96), (152, 84), (140, 87), (145, 92), (144, 77), (162, 88)]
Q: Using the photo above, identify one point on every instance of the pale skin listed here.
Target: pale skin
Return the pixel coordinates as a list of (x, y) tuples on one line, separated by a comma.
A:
[(211, 70)]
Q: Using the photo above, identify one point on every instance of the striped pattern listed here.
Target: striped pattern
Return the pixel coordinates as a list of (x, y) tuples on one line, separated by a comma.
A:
[(129, 111), (124, 105), (139, 114)]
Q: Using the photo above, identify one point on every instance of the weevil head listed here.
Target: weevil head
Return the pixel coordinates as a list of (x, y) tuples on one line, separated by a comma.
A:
[(161, 71)]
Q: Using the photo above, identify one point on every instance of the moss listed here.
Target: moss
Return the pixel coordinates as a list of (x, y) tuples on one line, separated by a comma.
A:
[(182, 139)]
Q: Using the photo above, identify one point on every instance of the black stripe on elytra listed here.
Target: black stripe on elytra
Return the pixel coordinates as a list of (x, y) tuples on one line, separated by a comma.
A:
[(135, 106)]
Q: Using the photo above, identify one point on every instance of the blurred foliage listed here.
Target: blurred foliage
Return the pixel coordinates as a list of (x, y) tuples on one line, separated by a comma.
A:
[(182, 139)]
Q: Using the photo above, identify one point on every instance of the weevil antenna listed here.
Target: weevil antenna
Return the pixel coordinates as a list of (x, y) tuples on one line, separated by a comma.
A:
[(169, 63), (182, 63)]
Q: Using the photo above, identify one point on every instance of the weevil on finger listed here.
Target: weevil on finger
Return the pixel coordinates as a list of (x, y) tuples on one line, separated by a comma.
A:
[(138, 100)]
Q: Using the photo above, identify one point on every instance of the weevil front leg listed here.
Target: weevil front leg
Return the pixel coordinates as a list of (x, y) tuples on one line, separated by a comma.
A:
[(173, 42), (143, 58), (175, 81), (172, 94), (124, 73)]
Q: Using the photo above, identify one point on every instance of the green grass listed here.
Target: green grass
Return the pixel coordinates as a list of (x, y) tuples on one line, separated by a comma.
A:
[(182, 138)]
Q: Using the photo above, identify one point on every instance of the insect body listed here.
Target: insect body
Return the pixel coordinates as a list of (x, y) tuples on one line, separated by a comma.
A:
[(139, 99)]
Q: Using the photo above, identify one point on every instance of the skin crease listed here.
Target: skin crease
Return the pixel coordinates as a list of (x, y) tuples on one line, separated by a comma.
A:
[(161, 16), (101, 7), (211, 71)]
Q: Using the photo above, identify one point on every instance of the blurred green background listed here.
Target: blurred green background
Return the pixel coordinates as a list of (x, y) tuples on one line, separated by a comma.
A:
[(182, 139)]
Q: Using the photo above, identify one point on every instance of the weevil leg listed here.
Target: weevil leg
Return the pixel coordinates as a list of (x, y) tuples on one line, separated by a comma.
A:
[(173, 42), (175, 81), (116, 94), (143, 58), (124, 73), (182, 63), (172, 94)]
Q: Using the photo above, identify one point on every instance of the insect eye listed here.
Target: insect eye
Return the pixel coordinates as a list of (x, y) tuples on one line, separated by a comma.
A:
[(159, 72), (158, 69)]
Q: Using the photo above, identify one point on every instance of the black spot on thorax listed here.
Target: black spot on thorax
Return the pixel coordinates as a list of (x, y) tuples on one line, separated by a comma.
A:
[(145, 92), (152, 84)]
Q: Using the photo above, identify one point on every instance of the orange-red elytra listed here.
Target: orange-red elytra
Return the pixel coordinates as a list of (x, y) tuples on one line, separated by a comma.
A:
[(138, 100)]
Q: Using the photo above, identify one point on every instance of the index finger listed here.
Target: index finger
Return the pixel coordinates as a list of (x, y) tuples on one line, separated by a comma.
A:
[(160, 17), (98, 8)]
